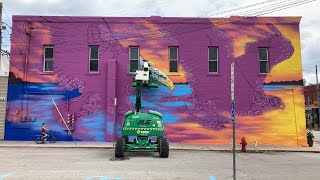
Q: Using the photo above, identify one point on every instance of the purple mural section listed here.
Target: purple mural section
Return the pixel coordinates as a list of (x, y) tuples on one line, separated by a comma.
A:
[(98, 100)]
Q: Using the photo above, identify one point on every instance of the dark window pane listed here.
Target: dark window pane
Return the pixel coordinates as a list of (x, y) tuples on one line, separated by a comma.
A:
[(134, 53), (173, 66), (213, 53), (133, 65), (94, 50), (173, 53), (213, 66), (263, 54), (48, 66), (263, 66), (48, 52), (94, 65)]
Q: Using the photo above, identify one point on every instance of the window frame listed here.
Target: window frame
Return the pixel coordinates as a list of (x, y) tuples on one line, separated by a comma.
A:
[(93, 59), (217, 60), (268, 70), (46, 59), (133, 59), (177, 60)]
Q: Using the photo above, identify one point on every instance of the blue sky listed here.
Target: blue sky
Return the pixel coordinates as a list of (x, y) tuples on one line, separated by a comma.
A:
[(309, 27)]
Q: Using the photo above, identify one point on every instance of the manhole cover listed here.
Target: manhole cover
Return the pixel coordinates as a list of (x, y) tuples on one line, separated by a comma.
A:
[(119, 159)]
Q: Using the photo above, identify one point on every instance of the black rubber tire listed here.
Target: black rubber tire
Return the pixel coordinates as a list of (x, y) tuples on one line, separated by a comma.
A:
[(163, 147), (120, 147), (53, 139), (39, 140), (126, 139)]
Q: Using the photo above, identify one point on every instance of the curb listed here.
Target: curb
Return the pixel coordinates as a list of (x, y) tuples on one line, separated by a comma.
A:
[(173, 148)]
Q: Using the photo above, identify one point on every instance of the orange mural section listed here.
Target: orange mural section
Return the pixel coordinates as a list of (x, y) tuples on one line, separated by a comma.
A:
[(156, 50), (290, 69), (283, 127)]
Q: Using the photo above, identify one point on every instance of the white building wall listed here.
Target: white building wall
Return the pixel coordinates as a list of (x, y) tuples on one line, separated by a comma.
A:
[(4, 64)]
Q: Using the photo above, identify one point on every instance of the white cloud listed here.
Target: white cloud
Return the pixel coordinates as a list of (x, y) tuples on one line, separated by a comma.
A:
[(309, 27)]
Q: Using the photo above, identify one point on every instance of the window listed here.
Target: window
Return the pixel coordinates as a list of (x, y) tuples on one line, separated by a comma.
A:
[(213, 59), (48, 59), (173, 59), (309, 100), (263, 60), (134, 58), (94, 59)]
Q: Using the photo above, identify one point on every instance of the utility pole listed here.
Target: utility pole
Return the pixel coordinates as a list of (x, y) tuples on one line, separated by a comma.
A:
[(318, 94), (0, 32)]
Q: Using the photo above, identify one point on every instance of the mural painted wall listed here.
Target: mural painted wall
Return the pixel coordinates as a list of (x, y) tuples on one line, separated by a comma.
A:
[(269, 107)]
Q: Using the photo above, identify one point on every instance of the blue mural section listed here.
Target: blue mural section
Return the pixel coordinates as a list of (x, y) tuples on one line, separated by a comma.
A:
[(92, 127), (163, 100), (30, 105)]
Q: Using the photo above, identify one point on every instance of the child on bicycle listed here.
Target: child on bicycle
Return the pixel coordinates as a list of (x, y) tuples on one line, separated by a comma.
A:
[(43, 131)]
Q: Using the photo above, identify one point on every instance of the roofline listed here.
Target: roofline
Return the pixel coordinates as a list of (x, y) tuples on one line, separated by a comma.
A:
[(110, 19)]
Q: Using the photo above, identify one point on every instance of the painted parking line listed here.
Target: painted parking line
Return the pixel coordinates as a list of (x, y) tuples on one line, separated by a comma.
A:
[(212, 178), (4, 176), (101, 178)]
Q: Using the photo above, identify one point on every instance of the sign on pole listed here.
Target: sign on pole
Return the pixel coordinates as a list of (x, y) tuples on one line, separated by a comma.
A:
[(232, 82)]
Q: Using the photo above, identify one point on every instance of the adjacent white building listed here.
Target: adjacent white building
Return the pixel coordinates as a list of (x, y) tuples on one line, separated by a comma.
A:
[(4, 73), (4, 64)]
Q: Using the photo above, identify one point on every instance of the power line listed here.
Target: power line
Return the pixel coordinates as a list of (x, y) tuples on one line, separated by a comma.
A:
[(156, 34), (239, 8)]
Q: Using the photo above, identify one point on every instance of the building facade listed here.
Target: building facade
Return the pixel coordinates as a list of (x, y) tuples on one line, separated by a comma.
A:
[(311, 104), (75, 71), (4, 73)]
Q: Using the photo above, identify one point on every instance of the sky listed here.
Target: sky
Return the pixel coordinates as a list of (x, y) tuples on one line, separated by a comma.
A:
[(309, 26)]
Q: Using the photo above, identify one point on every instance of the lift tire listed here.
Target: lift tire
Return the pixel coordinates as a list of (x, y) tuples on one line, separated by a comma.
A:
[(120, 147), (163, 147), (126, 138)]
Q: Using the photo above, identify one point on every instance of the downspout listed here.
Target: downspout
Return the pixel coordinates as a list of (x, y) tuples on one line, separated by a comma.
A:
[(26, 69)]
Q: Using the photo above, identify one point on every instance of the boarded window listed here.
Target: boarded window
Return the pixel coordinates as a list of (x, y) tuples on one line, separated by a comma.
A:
[(94, 59), (48, 59), (213, 59), (263, 60), (134, 58), (173, 59)]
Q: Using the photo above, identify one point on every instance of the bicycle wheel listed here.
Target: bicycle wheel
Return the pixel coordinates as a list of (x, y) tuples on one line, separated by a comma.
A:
[(52, 139), (39, 140)]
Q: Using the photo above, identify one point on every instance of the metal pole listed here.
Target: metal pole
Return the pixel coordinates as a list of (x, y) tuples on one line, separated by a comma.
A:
[(318, 94), (233, 122), (115, 116), (234, 150)]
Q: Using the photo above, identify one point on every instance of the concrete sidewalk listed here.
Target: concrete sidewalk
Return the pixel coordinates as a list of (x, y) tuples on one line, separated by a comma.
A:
[(173, 146)]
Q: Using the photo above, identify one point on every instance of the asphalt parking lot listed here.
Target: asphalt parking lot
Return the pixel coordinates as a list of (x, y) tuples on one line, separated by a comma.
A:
[(99, 164)]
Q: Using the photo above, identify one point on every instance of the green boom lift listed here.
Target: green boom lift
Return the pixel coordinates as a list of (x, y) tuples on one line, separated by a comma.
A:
[(143, 126)]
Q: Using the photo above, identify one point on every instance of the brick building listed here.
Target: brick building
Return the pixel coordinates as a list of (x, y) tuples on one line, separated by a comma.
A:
[(311, 103), (77, 66)]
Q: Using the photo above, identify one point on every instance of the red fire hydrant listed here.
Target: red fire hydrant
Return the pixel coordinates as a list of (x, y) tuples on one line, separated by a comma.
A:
[(243, 144)]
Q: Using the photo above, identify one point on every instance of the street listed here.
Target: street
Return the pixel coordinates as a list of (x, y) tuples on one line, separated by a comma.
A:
[(100, 164)]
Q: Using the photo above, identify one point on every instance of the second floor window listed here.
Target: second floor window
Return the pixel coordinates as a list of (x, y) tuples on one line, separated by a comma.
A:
[(213, 59), (134, 58), (309, 100), (48, 59), (263, 60), (173, 59), (94, 59)]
